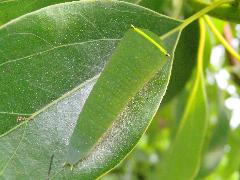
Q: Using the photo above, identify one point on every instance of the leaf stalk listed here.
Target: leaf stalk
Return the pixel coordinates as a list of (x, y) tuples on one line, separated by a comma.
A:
[(228, 47), (196, 16)]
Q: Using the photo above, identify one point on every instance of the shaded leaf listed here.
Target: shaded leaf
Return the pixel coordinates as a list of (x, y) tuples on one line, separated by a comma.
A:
[(218, 134), (183, 160)]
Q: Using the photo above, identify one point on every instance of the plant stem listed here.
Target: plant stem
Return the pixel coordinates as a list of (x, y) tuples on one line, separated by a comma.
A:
[(196, 16), (227, 12), (221, 38)]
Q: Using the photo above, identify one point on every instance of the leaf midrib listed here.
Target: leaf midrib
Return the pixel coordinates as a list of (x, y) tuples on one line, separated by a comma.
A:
[(33, 115)]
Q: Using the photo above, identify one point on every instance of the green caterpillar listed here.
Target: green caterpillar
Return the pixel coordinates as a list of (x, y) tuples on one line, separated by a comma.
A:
[(135, 61)]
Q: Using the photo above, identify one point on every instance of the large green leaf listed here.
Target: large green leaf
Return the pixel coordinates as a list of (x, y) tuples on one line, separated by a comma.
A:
[(183, 159), (93, 36), (124, 75), (185, 51), (50, 60)]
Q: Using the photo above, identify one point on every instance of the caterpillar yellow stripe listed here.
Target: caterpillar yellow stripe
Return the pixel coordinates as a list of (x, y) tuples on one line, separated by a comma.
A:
[(151, 40)]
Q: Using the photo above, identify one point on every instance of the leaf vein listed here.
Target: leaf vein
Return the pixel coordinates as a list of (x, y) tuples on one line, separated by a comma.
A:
[(15, 113), (14, 153), (54, 48)]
